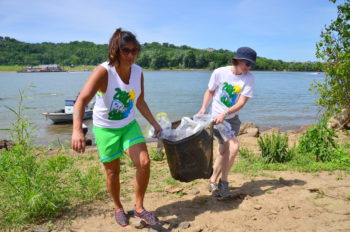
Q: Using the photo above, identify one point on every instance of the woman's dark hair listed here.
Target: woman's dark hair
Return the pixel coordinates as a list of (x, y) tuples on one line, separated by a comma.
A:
[(118, 40)]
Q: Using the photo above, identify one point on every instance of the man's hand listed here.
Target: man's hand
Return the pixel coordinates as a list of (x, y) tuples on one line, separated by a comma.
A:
[(220, 118), (201, 111)]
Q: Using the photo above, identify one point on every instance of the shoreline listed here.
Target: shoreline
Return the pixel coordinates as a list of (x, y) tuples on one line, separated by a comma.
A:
[(66, 137), (88, 68), (162, 70)]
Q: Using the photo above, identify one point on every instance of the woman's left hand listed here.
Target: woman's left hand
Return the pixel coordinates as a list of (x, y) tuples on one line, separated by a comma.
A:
[(219, 119)]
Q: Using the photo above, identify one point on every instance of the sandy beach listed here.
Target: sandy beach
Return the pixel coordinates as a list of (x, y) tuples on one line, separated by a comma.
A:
[(264, 201)]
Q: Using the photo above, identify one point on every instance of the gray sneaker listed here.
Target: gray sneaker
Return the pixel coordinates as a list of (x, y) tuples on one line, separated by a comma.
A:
[(213, 188), (224, 189)]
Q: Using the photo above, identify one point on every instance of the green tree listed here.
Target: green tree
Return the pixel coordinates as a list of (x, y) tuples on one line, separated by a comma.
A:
[(144, 60), (153, 55), (334, 50), (189, 60), (159, 60)]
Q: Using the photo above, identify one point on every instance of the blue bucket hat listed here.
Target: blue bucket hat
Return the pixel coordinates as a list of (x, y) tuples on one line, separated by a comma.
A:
[(245, 53)]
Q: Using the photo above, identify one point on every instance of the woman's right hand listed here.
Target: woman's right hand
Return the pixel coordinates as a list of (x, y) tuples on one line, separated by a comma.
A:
[(78, 141)]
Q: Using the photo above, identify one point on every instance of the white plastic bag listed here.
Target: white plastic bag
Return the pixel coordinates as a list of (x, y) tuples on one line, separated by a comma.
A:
[(225, 130), (187, 127), (203, 119), (164, 122)]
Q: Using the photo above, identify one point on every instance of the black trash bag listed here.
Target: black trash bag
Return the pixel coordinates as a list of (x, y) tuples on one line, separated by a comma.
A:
[(192, 157)]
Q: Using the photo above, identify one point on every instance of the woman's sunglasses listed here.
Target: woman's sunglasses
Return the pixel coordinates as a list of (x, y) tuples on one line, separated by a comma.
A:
[(127, 51)]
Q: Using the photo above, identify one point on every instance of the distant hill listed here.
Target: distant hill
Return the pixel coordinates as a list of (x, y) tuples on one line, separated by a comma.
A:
[(154, 56)]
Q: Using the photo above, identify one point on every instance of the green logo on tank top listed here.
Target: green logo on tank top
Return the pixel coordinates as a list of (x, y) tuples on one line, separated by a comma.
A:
[(121, 105)]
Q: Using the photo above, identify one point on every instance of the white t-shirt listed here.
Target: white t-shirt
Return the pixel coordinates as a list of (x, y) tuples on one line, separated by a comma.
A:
[(116, 107), (228, 87)]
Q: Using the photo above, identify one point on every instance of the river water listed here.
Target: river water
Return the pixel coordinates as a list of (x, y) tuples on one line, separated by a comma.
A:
[(281, 99)]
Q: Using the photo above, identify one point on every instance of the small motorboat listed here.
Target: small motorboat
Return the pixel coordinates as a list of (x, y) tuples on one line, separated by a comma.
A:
[(66, 115)]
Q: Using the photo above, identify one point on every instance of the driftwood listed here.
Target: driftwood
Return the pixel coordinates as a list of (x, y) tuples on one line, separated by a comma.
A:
[(6, 144), (341, 120)]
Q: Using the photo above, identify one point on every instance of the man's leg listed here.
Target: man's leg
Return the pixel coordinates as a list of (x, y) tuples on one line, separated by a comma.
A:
[(231, 153), (222, 155), (234, 149)]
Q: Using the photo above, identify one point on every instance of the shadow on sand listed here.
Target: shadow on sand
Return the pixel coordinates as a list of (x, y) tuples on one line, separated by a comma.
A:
[(200, 204)]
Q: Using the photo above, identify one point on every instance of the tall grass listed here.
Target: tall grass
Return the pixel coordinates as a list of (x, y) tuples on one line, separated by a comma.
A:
[(274, 148), (317, 144), (303, 162), (35, 187), (22, 129)]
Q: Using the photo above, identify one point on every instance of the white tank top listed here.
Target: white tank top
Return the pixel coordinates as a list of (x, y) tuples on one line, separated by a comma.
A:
[(116, 107)]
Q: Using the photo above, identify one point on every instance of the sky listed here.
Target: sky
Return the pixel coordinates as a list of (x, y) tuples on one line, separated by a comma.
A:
[(276, 29)]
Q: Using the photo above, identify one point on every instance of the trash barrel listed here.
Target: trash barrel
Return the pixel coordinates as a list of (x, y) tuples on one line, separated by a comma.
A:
[(192, 157)]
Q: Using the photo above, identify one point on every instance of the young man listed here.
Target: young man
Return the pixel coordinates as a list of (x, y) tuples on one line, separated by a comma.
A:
[(229, 89)]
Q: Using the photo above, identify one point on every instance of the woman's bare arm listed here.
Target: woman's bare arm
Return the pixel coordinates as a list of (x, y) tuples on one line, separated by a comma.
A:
[(97, 81)]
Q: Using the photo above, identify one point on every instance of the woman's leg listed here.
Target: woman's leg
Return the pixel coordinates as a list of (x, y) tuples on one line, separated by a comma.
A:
[(113, 185), (139, 155)]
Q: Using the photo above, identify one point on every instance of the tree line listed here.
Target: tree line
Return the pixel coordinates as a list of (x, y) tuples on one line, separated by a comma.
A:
[(153, 56)]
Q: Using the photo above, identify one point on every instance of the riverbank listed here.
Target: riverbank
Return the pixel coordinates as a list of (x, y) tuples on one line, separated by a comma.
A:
[(270, 201), (262, 200), (19, 68), (280, 192)]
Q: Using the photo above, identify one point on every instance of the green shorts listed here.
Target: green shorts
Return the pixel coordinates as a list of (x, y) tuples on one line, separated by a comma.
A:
[(112, 142)]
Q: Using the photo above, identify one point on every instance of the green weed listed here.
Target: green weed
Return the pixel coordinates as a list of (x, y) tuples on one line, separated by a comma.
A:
[(304, 162), (319, 141), (320, 194), (35, 187), (247, 154), (274, 148), (155, 155), (347, 145), (347, 133), (171, 181)]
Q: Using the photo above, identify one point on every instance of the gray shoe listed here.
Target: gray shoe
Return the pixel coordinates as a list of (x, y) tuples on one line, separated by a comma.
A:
[(224, 189), (213, 188)]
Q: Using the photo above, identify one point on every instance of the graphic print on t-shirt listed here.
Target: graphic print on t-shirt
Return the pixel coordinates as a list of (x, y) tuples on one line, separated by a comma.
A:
[(121, 105), (229, 94)]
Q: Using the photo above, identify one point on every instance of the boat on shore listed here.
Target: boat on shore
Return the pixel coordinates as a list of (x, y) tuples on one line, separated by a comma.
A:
[(43, 68), (66, 115)]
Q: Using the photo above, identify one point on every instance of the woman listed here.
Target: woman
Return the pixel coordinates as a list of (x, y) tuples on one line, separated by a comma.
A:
[(230, 88), (118, 85)]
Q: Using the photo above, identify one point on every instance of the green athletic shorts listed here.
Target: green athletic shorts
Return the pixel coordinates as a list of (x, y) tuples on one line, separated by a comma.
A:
[(112, 142)]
